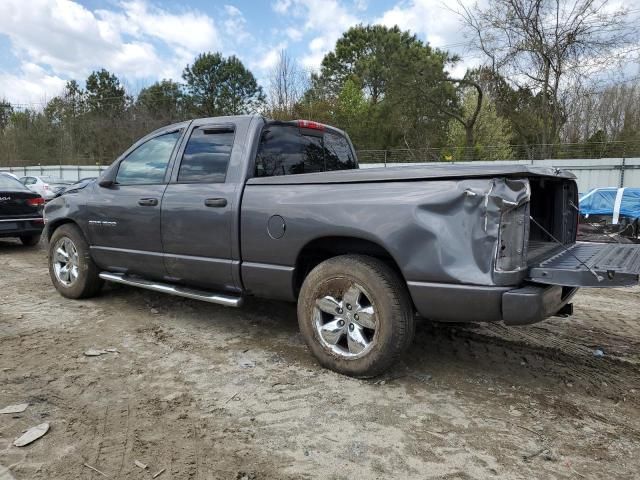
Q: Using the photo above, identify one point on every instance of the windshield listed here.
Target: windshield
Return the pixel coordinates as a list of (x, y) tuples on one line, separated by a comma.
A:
[(10, 183)]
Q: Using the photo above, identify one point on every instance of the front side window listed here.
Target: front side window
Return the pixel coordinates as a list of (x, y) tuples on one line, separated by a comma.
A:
[(147, 164), (206, 156), (288, 150)]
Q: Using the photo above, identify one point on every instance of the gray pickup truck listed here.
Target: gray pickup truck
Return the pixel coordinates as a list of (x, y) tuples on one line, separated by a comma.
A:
[(218, 209)]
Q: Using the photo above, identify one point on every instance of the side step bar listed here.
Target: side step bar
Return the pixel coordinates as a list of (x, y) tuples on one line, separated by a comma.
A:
[(219, 298)]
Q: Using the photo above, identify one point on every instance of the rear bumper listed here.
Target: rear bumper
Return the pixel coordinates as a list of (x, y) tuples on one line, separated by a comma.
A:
[(470, 303), (10, 227)]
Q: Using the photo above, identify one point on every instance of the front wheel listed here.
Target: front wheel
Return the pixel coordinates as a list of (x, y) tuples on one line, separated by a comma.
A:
[(71, 268), (355, 315)]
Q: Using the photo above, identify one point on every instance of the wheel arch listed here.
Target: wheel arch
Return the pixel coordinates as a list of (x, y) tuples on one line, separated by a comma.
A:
[(320, 249), (57, 223)]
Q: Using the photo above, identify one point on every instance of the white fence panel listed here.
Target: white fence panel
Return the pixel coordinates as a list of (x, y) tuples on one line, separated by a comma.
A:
[(65, 172), (632, 172), (590, 173)]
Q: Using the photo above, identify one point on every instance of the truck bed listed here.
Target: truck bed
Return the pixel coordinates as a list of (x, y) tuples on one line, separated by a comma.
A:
[(420, 172)]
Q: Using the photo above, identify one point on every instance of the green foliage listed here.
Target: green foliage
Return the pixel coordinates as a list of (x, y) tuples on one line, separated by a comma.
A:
[(5, 113), (105, 94), (164, 100), (491, 132), (222, 86), (399, 77)]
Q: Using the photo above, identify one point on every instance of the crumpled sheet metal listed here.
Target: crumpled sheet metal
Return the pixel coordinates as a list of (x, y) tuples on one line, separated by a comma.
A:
[(460, 229), (438, 231)]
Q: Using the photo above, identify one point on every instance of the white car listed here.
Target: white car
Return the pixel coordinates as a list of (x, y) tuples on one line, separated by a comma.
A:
[(9, 174), (46, 186)]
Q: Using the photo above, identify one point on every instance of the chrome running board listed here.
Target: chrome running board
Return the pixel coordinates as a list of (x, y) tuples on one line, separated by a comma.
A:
[(219, 298)]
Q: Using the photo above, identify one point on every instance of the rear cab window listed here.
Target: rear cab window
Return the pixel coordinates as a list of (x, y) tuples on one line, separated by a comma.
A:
[(288, 148), (206, 155)]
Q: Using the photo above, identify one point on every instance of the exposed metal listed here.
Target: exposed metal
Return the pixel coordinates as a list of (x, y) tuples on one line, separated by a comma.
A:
[(219, 298)]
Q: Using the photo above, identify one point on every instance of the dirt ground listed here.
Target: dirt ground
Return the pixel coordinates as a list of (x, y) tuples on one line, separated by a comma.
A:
[(208, 392)]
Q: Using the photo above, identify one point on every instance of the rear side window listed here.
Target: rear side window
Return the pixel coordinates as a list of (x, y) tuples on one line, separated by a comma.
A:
[(288, 150), (206, 156), (147, 164)]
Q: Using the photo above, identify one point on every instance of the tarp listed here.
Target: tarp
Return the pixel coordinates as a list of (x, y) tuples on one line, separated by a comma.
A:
[(611, 201)]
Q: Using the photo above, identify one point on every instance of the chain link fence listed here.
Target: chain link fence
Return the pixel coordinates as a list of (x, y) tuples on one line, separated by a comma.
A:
[(512, 152)]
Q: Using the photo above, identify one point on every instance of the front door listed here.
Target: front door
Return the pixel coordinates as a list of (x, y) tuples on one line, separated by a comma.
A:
[(124, 219), (197, 210)]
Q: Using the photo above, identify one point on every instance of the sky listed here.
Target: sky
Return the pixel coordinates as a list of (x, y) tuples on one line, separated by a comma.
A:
[(44, 43)]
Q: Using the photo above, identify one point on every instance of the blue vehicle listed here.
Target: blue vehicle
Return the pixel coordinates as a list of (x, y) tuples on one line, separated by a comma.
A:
[(610, 213)]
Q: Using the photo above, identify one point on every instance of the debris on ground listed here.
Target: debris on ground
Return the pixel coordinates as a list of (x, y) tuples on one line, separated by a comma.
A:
[(247, 363), (32, 435), (18, 408), (422, 377), (158, 473), (140, 464), (598, 353), (93, 352), (95, 470)]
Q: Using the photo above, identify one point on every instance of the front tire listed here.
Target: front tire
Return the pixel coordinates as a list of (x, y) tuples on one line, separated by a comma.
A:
[(71, 268), (355, 315)]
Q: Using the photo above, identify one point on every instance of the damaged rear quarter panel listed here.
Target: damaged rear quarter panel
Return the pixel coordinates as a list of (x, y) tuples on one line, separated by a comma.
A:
[(436, 231)]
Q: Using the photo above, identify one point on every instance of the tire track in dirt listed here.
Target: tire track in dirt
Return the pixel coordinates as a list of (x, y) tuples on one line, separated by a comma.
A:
[(534, 354)]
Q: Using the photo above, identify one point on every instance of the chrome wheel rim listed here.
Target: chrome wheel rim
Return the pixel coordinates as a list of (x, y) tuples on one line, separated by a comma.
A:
[(65, 261), (346, 320)]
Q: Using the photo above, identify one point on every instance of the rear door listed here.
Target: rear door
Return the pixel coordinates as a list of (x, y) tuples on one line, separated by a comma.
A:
[(124, 219), (198, 206), (586, 264)]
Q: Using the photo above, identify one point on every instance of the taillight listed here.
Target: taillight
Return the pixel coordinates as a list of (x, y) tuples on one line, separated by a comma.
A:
[(34, 202), (310, 124)]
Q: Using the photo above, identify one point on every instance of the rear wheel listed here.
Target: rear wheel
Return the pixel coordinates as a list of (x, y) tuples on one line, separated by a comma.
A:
[(30, 240), (71, 268), (356, 315)]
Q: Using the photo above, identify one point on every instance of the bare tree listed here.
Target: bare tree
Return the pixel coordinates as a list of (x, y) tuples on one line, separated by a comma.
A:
[(468, 122), (287, 84), (546, 45)]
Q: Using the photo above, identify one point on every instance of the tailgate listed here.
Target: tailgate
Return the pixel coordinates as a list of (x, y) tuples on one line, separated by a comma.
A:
[(586, 264)]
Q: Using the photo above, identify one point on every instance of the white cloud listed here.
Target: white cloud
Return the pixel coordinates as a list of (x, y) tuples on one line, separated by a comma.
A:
[(69, 41), (326, 20), (294, 34), (270, 58), (31, 84), (281, 6), (235, 25), (435, 22)]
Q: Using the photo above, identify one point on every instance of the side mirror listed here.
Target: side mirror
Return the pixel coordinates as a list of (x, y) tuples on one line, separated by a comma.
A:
[(108, 180)]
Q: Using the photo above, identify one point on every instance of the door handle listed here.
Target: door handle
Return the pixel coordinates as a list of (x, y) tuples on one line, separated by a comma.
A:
[(148, 202), (215, 202)]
